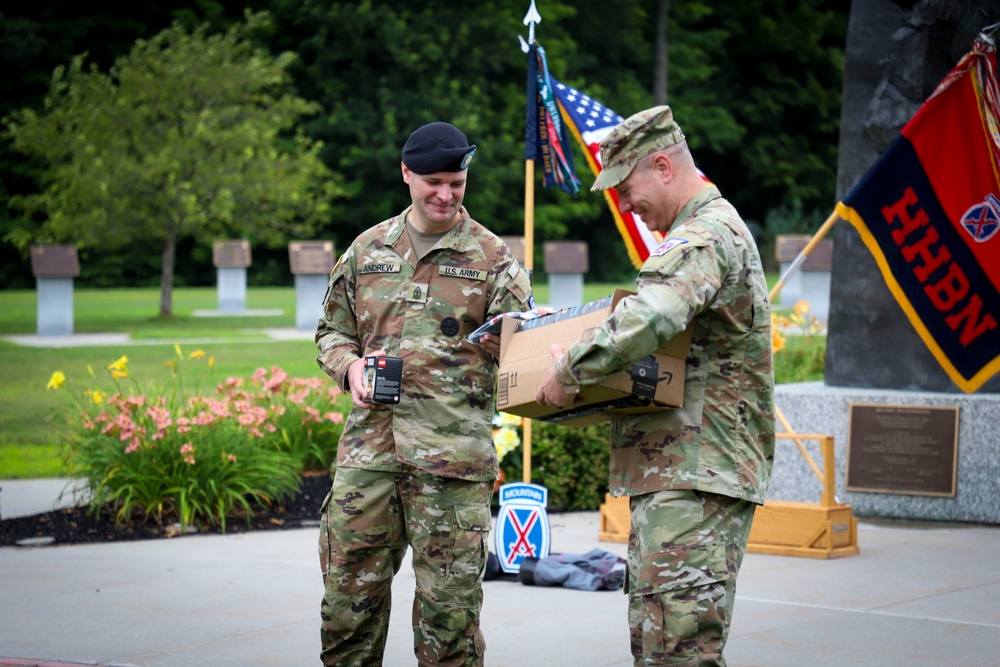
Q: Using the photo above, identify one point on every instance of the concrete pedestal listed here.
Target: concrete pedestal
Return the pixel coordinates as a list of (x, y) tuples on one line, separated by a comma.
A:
[(811, 286), (812, 407), (55, 306), (565, 290), (309, 292), (232, 288)]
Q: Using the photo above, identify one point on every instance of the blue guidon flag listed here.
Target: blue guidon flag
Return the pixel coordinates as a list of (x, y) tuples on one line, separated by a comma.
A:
[(929, 212), (546, 137), (522, 525)]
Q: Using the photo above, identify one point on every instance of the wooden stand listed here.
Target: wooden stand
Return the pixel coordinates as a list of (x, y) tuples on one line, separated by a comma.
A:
[(824, 530), (616, 519), (783, 528)]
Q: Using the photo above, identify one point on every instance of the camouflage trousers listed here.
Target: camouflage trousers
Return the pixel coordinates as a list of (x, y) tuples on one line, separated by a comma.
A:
[(684, 552), (368, 520)]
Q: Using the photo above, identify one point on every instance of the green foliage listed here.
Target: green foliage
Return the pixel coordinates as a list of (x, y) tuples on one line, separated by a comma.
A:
[(572, 463), (190, 135), (171, 451), (788, 218), (780, 79), (802, 360), (17, 462), (755, 84)]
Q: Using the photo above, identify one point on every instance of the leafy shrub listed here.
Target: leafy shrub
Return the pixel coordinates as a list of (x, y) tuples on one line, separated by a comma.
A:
[(572, 463), (165, 451)]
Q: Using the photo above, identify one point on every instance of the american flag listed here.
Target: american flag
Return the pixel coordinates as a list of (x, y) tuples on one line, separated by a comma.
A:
[(590, 121)]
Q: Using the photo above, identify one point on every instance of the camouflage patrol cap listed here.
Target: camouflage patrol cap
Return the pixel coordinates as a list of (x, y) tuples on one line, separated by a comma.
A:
[(634, 138), (437, 147)]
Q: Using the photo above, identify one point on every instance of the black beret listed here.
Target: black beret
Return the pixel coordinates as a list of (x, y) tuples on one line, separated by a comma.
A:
[(437, 147)]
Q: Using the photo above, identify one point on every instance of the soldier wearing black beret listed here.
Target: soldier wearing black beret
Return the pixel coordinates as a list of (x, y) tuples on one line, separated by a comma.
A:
[(418, 474), (437, 147)]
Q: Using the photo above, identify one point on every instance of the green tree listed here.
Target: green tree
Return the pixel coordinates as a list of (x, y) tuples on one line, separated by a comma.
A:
[(190, 135)]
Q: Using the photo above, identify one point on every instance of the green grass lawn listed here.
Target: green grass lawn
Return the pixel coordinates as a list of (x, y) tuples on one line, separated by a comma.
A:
[(30, 414)]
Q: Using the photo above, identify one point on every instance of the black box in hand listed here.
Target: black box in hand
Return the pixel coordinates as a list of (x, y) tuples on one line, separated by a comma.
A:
[(383, 379)]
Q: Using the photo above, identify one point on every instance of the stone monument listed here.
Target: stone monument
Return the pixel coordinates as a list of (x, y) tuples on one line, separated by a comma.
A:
[(565, 264), (311, 263), (896, 54), (231, 259), (54, 268)]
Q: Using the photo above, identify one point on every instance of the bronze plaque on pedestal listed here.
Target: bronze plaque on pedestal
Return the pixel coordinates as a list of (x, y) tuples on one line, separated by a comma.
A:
[(566, 257), (55, 261), (516, 245), (231, 254), (310, 257), (902, 449)]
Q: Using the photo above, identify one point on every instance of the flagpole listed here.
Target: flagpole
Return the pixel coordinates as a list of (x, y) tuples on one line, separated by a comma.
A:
[(530, 19), (817, 237)]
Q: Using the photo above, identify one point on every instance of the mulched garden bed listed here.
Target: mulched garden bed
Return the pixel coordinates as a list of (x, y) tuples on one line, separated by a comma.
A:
[(76, 525)]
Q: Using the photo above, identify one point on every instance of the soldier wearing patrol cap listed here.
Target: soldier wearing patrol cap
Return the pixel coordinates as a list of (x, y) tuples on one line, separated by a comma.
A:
[(419, 473), (693, 474)]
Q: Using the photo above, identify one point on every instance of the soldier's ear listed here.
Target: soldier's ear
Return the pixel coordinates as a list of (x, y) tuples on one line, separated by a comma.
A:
[(663, 167)]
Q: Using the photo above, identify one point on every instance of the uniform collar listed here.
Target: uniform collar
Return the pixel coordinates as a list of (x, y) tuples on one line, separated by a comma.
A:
[(456, 238), (703, 197)]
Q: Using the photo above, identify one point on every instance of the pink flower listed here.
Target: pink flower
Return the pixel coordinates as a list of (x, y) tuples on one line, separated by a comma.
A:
[(278, 376), (334, 417)]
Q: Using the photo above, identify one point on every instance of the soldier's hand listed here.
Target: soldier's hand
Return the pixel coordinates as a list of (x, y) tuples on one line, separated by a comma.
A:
[(491, 344), (551, 392), (356, 382)]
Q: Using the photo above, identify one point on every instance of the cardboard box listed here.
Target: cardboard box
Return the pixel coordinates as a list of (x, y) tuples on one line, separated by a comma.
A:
[(653, 383)]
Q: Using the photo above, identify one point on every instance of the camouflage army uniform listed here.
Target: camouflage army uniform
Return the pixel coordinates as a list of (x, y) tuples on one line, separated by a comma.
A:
[(694, 473), (420, 473)]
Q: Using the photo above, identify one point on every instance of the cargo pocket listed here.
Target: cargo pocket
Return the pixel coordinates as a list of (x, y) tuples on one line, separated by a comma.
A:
[(673, 612), (471, 530), (684, 566)]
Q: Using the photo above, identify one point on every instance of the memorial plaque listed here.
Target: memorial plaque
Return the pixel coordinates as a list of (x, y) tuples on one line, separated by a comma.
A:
[(516, 245), (820, 258), (310, 257), (566, 257), (902, 449), (55, 261), (231, 254)]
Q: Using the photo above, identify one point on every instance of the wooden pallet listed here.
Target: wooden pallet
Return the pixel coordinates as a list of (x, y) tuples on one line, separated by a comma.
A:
[(811, 530)]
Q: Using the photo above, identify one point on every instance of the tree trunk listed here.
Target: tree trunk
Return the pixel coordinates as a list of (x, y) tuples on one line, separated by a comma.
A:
[(167, 275), (661, 55)]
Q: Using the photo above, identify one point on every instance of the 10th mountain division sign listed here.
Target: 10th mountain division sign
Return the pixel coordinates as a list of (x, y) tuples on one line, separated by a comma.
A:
[(522, 525)]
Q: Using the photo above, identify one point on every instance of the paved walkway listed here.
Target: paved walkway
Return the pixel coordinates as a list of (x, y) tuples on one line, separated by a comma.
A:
[(918, 594)]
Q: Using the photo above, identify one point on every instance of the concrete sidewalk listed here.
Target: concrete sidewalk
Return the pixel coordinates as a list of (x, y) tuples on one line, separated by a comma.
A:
[(918, 594)]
